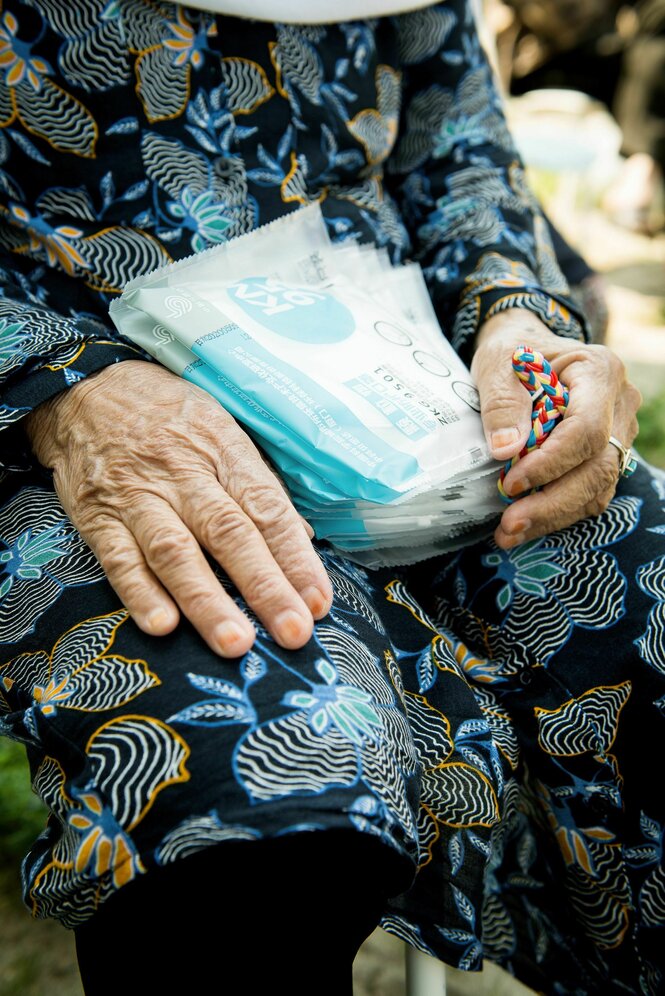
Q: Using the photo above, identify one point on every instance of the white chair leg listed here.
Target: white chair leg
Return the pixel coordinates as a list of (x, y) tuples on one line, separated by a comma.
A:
[(425, 976)]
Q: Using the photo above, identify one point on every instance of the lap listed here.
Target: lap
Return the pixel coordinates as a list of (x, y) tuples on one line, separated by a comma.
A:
[(573, 629), (148, 749), (431, 700)]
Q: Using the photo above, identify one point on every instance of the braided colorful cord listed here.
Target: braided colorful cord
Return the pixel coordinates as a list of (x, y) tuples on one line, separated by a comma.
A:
[(550, 399)]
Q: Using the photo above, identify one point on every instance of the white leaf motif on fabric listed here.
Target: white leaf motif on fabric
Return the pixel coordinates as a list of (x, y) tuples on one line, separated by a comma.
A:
[(460, 796), (197, 832), (586, 723), (287, 757), (134, 758)]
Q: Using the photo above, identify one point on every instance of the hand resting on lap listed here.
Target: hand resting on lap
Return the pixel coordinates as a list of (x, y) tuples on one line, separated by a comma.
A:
[(151, 469)]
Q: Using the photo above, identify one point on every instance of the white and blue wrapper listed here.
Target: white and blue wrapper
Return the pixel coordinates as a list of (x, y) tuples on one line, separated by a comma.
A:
[(335, 364)]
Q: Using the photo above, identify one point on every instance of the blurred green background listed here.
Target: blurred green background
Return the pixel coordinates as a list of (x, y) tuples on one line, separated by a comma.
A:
[(22, 814), (651, 441)]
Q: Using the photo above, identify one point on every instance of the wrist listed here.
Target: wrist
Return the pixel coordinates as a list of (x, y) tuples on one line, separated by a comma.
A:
[(48, 426), (512, 324)]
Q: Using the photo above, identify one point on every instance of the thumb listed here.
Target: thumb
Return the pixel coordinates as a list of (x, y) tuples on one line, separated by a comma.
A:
[(505, 404)]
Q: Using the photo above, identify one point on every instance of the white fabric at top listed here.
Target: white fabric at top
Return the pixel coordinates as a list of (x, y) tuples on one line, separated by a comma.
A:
[(310, 11)]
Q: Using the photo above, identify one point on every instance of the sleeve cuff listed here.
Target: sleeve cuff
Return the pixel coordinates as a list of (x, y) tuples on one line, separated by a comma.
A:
[(494, 288), (44, 382)]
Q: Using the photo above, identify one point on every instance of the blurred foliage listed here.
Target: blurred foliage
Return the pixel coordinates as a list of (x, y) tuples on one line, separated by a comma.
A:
[(651, 440), (22, 814)]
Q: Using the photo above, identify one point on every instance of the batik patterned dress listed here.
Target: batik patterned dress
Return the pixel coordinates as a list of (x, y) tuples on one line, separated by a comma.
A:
[(495, 718)]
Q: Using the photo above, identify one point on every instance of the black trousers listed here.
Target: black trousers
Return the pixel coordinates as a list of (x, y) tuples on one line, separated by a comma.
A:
[(286, 915)]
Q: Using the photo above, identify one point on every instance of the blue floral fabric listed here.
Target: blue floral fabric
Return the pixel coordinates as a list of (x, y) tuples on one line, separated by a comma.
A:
[(134, 133), (492, 717)]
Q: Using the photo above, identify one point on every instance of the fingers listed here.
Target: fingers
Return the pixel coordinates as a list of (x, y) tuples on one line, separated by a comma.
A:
[(263, 547), (126, 570), (601, 403), (167, 569), (151, 553), (575, 469), (266, 552), (582, 434), (505, 404), (585, 491), (264, 498), (286, 535)]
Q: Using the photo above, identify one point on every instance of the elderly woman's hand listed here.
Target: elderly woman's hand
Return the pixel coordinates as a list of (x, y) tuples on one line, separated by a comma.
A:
[(151, 469), (576, 468)]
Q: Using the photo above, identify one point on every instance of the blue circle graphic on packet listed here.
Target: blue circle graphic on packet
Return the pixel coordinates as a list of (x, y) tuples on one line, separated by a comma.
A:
[(300, 313)]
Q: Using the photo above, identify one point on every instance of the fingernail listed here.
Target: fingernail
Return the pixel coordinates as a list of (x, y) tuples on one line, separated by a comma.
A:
[(504, 437), (315, 601), (158, 621), (519, 485), (231, 639), (521, 526), (509, 542), (290, 628)]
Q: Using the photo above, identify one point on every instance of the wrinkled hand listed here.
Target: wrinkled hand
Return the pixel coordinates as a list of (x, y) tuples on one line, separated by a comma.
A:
[(576, 467), (151, 469)]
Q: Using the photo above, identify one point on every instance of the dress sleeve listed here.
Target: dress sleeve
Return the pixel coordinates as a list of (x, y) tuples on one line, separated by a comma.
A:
[(476, 228), (42, 352)]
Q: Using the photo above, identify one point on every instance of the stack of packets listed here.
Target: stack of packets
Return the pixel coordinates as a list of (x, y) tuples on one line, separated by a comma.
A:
[(333, 360)]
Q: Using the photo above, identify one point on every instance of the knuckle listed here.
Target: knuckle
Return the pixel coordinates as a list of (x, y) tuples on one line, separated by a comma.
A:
[(586, 494), (115, 561), (174, 455), (83, 496), (591, 510), (162, 444), (164, 545), (603, 356), (233, 458), (606, 478), (614, 363), (271, 511), (606, 499), (599, 504), (262, 588), (497, 408), (200, 603), (605, 482), (160, 456), (226, 523), (595, 440)]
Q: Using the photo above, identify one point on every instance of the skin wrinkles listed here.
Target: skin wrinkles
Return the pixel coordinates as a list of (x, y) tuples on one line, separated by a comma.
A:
[(153, 471), (576, 468), (132, 448)]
